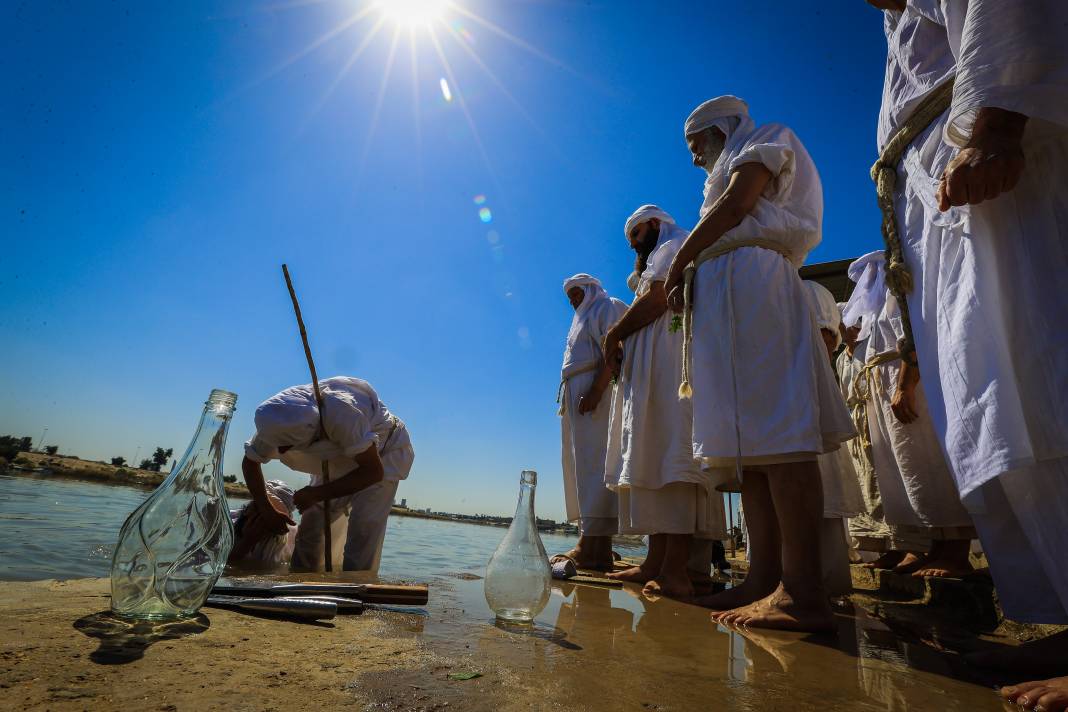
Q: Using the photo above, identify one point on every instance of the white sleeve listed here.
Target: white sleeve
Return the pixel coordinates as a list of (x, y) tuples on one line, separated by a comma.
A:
[(771, 147), (259, 451), (1010, 55), (347, 424)]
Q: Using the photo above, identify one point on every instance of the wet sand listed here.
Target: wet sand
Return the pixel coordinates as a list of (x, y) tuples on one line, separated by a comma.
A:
[(591, 649)]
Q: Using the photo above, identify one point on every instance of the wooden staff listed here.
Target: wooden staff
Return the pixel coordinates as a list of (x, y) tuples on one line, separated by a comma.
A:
[(322, 431)]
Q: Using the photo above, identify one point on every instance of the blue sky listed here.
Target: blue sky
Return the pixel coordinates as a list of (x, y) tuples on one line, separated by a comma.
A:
[(159, 162)]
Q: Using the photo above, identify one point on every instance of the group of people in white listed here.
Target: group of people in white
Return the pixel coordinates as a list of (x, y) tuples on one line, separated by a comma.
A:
[(928, 411)]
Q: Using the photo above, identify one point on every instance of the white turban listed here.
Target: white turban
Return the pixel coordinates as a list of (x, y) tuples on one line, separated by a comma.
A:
[(282, 492), (825, 309), (591, 290), (644, 214), (869, 296), (716, 113)]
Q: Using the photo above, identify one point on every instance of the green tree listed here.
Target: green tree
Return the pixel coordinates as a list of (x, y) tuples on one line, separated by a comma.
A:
[(119, 461), (229, 478), (10, 446), (160, 457), (51, 449), (146, 464)]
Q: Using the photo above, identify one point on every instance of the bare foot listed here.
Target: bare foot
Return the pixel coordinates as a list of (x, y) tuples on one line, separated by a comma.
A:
[(1045, 695), (749, 591), (677, 587), (911, 562), (887, 561), (635, 574), (782, 611), (944, 567), (582, 560)]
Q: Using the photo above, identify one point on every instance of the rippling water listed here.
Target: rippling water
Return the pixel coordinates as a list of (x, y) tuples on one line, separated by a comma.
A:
[(61, 528)]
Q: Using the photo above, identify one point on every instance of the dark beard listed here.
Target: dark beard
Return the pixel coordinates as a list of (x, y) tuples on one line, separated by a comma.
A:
[(644, 250)]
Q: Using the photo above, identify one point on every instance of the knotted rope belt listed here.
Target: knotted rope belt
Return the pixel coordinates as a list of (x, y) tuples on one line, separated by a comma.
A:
[(884, 173), (578, 371)]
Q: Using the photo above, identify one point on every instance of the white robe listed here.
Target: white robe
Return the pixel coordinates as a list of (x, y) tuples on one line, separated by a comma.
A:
[(584, 437), (753, 332), (917, 487), (650, 462), (354, 420), (989, 310)]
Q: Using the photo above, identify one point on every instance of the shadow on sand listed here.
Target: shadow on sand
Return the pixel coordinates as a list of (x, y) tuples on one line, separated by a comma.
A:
[(125, 641)]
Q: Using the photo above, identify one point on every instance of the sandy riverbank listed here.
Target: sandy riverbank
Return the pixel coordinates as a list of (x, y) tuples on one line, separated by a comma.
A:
[(591, 649), (41, 465)]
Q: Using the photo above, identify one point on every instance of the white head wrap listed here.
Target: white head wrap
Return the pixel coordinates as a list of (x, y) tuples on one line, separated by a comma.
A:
[(730, 115), (644, 214), (282, 492), (593, 293), (825, 309), (284, 419), (591, 289), (869, 296)]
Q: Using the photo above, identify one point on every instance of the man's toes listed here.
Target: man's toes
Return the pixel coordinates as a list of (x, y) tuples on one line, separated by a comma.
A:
[(1030, 697)]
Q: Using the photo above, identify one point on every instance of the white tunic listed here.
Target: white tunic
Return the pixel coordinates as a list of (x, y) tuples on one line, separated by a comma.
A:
[(753, 333), (650, 461), (354, 420), (916, 485), (585, 437), (989, 309)]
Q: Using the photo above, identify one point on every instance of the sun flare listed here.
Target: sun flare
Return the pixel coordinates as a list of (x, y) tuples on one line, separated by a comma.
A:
[(413, 13)]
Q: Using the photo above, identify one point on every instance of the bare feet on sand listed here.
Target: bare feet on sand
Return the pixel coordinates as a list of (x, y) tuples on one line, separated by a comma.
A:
[(782, 611), (912, 562), (594, 553), (678, 587), (948, 559), (749, 591), (1045, 695), (887, 561)]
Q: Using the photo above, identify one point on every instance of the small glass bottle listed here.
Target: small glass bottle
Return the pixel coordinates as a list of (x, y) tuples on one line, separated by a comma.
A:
[(517, 576), (173, 547)]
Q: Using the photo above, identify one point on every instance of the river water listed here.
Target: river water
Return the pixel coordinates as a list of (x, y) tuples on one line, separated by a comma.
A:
[(591, 648), (64, 528)]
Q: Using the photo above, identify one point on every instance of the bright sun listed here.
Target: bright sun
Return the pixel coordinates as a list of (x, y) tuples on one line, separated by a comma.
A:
[(413, 13)]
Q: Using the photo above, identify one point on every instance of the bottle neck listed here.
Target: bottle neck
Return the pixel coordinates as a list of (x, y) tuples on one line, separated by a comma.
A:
[(525, 508), (201, 465)]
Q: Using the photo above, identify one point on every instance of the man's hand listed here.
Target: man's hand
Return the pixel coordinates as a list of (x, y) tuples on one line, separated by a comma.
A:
[(677, 299), (904, 404), (991, 163), (305, 498), (588, 402)]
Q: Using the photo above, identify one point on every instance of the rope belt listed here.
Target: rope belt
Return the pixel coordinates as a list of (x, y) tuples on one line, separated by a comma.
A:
[(716, 250), (579, 371), (868, 371), (884, 173)]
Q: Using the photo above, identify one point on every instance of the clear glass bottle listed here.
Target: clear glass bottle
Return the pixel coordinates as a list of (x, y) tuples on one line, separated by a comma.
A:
[(173, 547), (517, 576)]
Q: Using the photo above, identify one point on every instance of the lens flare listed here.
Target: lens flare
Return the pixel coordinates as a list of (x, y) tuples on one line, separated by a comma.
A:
[(485, 215), (479, 199), (445, 91)]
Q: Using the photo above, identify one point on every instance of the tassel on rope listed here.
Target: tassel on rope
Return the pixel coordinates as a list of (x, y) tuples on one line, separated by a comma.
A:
[(685, 389)]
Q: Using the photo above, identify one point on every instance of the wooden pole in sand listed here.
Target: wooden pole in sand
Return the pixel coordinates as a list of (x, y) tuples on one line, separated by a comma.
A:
[(327, 548)]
